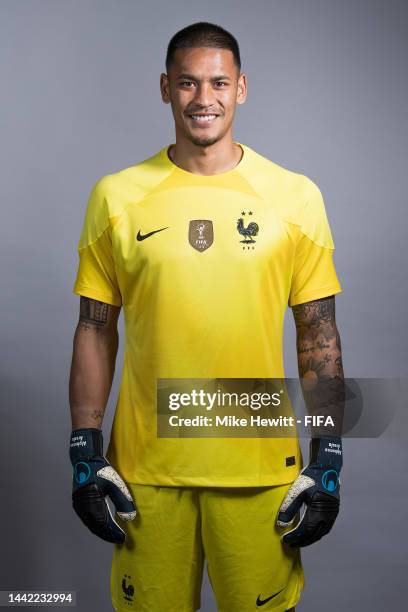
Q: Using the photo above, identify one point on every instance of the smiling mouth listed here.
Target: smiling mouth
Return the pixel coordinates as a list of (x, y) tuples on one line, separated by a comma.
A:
[(202, 118)]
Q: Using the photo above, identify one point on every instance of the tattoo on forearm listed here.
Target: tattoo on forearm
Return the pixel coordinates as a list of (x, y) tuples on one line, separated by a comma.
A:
[(315, 313), (319, 356), (321, 344), (97, 415), (302, 349), (92, 313), (318, 340), (339, 363)]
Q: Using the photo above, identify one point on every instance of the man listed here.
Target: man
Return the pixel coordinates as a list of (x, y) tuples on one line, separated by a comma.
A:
[(204, 245)]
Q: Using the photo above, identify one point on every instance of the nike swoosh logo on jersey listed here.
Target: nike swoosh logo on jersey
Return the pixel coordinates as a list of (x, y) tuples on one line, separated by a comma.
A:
[(262, 602), (144, 236)]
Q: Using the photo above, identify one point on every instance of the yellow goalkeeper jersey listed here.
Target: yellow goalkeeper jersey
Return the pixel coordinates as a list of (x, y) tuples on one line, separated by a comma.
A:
[(204, 268)]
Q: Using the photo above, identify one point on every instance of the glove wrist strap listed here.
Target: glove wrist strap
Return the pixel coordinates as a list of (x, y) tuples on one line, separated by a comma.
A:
[(85, 443), (326, 452)]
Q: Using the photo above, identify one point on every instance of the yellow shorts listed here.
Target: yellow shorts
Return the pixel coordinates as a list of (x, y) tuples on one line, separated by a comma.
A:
[(160, 566)]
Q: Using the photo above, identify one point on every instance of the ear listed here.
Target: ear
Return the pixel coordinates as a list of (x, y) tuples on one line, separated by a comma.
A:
[(164, 88), (242, 89)]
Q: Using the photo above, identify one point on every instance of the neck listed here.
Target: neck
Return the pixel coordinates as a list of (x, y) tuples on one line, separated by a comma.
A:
[(214, 159)]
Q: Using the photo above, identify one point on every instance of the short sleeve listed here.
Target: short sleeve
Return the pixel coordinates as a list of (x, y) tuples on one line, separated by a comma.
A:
[(314, 274), (96, 275)]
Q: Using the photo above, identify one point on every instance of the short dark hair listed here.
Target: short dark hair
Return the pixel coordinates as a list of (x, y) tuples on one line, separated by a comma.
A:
[(203, 34)]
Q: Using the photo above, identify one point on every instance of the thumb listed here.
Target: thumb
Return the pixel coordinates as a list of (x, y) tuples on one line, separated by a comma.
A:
[(294, 499), (118, 492)]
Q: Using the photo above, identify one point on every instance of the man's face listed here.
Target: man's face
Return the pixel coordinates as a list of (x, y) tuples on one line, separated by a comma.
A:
[(203, 87)]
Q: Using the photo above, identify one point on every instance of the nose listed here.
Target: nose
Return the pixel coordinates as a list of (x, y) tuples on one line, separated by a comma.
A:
[(204, 95)]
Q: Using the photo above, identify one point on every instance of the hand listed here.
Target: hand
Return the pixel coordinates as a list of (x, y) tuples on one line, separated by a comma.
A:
[(317, 486), (93, 479)]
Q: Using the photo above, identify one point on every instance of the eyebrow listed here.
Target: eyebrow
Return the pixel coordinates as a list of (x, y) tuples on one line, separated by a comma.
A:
[(221, 77)]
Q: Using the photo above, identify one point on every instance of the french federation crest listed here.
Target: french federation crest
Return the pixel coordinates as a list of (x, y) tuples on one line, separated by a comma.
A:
[(248, 232), (201, 234)]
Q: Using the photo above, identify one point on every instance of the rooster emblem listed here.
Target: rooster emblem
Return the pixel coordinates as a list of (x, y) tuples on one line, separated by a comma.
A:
[(128, 589), (252, 229)]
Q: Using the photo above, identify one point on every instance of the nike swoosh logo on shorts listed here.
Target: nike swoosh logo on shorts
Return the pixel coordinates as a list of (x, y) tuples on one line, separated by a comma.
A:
[(262, 602), (144, 236)]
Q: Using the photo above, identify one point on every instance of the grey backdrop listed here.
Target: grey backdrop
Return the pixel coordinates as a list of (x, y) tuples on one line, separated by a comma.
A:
[(80, 98)]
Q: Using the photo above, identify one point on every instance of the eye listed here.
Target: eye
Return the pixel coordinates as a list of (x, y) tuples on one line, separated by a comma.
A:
[(186, 83), (220, 84)]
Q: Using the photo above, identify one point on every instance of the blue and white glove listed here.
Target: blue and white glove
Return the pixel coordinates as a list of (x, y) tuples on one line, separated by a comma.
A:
[(318, 487), (93, 479)]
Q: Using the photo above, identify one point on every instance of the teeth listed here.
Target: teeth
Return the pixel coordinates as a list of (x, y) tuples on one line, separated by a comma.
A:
[(203, 117)]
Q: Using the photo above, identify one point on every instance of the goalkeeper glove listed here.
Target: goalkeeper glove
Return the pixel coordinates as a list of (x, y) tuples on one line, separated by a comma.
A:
[(318, 487), (93, 479)]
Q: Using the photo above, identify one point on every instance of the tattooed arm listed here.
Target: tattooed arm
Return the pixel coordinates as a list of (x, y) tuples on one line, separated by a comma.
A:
[(95, 349), (319, 361), (321, 375)]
